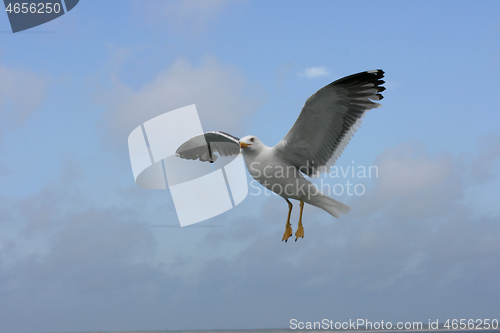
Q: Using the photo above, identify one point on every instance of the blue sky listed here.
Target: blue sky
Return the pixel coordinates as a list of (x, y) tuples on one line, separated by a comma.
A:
[(77, 252)]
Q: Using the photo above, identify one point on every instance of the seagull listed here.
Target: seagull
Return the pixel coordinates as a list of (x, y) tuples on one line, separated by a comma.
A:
[(327, 122)]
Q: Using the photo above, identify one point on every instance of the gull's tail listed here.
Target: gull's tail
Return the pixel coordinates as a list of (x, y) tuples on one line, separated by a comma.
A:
[(328, 204)]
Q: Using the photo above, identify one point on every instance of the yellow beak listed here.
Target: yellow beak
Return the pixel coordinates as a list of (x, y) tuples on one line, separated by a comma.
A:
[(244, 145)]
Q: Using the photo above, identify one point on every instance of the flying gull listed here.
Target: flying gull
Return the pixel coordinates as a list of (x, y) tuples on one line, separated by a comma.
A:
[(327, 122)]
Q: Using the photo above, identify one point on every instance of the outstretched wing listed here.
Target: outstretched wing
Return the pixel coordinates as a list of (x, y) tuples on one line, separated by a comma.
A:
[(203, 146), (328, 120)]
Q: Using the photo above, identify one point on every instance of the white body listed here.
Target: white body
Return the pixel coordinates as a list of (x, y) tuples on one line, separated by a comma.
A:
[(276, 174)]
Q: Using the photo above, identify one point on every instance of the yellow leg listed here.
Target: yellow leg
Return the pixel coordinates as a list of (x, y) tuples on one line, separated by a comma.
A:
[(288, 227), (300, 229)]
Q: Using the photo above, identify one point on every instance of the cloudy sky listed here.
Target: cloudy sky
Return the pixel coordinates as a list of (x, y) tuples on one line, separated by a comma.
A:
[(77, 248)]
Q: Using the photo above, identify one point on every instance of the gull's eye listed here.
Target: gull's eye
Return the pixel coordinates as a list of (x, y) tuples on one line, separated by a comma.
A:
[(252, 139)]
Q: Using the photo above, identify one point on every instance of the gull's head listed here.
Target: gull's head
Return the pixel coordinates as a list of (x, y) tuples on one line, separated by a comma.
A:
[(250, 142)]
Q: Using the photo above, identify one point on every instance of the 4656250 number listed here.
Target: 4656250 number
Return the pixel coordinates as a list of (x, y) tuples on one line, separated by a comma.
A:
[(471, 324), (33, 7)]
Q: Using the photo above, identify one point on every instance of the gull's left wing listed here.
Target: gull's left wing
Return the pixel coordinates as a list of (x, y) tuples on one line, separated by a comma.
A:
[(203, 146), (328, 120)]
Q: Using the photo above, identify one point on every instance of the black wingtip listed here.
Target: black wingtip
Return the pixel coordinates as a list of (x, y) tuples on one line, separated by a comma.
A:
[(373, 76)]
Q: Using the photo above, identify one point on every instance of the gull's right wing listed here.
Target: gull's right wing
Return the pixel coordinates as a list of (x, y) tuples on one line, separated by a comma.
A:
[(203, 146)]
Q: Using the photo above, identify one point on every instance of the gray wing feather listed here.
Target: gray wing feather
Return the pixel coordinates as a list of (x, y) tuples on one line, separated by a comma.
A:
[(328, 120), (203, 147)]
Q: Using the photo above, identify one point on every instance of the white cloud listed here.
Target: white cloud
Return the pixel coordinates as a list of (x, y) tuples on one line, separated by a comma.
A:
[(313, 72), (414, 184), (219, 92)]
